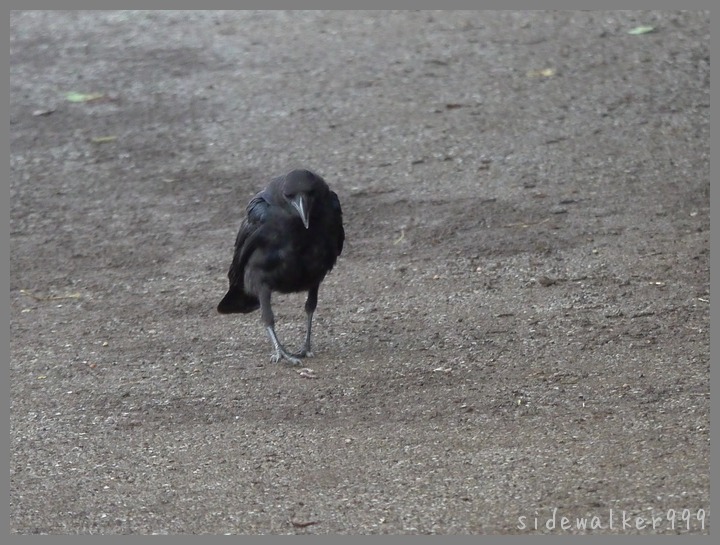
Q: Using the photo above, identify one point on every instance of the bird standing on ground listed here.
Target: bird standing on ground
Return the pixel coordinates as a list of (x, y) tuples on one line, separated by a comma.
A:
[(290, 239)]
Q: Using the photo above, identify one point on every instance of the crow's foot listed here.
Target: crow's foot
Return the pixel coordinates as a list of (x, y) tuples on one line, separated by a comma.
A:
[(283, 355), (280, 352), (304, 353)]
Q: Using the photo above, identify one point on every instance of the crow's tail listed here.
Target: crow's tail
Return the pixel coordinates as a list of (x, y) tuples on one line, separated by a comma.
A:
[(236, 300)]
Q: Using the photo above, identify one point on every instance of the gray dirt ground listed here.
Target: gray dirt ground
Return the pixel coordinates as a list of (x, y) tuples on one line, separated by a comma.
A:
[(520, 320)]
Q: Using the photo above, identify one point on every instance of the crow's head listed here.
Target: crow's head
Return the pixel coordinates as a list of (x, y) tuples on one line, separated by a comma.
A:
[(300, 189)]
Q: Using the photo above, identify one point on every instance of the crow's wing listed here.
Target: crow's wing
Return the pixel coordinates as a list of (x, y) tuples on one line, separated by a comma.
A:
[(337, 212), (257, 212), (236, 299)]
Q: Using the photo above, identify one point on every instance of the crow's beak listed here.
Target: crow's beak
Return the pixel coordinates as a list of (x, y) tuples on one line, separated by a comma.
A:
[(301, 205)]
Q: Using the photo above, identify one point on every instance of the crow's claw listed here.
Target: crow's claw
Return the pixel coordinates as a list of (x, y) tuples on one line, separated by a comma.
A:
[(282, 355)]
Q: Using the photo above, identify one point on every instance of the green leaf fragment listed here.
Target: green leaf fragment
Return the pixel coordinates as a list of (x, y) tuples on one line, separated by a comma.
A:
[(103, 139), (83, 97), (641, 30)]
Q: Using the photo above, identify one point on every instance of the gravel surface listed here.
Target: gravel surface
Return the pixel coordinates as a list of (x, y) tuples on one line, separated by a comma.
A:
[(517, 330)]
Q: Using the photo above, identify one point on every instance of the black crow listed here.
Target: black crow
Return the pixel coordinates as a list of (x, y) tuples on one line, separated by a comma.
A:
[(289, 241)]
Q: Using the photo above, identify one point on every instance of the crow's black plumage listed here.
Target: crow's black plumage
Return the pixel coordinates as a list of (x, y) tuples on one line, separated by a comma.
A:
[(290, 239)]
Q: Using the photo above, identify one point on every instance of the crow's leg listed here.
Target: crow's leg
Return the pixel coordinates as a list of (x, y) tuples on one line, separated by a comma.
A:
[(280, 352), (269, 321), (310, 306)]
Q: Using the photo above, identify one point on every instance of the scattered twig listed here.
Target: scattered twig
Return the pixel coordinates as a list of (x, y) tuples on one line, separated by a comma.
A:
[(40, 113), (521, 224), (51, 297), (298, 524), (306, 372)]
